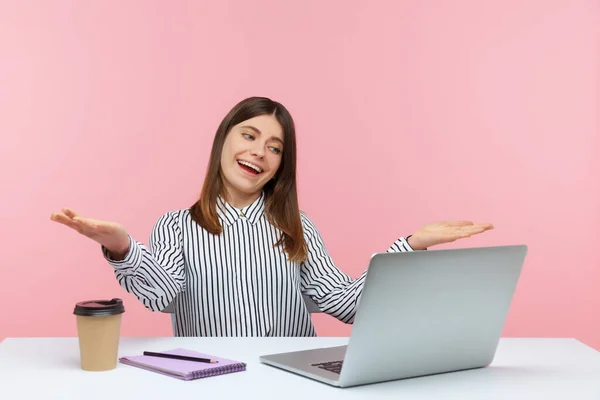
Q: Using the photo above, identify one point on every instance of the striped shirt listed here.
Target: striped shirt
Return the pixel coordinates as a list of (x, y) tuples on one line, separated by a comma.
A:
[(236, 283)]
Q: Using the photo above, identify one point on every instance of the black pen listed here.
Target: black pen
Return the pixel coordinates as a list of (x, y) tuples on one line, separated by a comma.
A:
[(177, 357)]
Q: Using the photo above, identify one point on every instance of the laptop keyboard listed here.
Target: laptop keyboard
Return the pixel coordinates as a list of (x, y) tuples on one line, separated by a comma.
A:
[(331, 366)]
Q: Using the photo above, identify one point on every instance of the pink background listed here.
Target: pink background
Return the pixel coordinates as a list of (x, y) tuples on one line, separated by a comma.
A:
[(407, 112)]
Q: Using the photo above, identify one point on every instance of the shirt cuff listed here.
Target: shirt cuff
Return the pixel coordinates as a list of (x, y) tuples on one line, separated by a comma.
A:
[(132, 258), (400, 245)]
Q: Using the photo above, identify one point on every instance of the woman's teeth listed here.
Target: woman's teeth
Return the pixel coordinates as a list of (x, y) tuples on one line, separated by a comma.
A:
[(249, 165)]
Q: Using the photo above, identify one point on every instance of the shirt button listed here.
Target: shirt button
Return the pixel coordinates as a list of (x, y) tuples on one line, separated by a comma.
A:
[(242, 215)]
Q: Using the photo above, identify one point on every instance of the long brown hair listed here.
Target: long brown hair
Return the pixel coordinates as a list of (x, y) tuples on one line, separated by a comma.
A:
[(281, 199)]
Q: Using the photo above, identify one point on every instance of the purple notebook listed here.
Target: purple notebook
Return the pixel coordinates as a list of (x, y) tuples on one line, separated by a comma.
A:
[(183, 369)]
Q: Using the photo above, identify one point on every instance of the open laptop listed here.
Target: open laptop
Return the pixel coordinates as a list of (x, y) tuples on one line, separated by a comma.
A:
[(420, 313)]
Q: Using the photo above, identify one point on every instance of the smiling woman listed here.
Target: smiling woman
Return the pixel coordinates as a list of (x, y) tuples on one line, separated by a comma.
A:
[(248, 158), (239, 260)]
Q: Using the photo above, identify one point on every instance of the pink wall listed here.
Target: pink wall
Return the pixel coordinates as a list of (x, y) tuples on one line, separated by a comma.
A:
[(462, 109)]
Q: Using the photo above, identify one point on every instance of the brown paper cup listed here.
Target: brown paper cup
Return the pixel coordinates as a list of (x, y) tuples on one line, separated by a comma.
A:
[(98, 329)]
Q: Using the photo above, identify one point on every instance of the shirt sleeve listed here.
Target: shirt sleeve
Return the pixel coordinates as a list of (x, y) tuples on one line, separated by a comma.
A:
[(155, 275), (333, 291)]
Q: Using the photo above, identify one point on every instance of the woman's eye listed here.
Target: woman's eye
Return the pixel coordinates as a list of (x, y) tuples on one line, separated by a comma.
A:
[(248, 136), (275, 150)]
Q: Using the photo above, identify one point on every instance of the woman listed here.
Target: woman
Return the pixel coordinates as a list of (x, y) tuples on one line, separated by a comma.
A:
[(237, 262)]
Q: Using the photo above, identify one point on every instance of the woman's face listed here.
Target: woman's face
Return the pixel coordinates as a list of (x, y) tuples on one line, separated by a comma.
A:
[(250, 158)]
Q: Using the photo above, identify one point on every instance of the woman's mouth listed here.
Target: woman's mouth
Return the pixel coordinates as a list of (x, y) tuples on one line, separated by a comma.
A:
[(249, 168)]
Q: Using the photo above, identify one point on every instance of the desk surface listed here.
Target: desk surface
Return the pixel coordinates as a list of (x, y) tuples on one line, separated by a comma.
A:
[(522, 369)]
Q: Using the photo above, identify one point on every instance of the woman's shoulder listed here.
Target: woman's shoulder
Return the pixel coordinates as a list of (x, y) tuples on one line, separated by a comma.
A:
[(304, 218), (308, 226), (173, 217)]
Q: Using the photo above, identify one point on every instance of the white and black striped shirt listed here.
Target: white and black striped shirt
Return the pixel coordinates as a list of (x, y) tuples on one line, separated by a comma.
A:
[(236, 283)]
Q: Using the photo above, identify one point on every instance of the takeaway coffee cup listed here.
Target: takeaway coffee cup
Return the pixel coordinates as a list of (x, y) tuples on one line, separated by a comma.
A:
[(99, 328)]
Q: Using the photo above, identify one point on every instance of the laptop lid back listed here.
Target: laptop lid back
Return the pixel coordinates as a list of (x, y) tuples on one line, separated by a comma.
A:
[(428, 312)]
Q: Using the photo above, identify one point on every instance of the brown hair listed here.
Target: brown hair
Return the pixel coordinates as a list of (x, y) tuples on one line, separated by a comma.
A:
[(281, 199)]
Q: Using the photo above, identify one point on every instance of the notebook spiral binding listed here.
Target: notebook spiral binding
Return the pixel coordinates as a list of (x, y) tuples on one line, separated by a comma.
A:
[(219, 370)]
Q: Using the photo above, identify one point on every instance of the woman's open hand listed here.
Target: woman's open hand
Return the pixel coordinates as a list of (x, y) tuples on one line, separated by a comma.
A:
[(109, 234), (445, 232)]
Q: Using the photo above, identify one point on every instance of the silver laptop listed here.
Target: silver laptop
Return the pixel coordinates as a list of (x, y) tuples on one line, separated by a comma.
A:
[(420, 313)]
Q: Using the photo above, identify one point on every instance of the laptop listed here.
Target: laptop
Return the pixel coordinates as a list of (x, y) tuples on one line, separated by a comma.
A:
[(420, 313)]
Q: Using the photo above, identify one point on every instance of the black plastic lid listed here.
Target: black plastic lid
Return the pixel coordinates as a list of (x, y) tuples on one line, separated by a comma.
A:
[(99, 308)]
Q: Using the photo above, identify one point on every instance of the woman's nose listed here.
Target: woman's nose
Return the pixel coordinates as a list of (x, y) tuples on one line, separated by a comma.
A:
[(257, 150)]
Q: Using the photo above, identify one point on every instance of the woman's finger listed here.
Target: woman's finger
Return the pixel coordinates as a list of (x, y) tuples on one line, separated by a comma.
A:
[(69, 213), (471, 228), (484, 226), (458, 223), (63, 219), (89, 227), (84, 222), (469, 233)]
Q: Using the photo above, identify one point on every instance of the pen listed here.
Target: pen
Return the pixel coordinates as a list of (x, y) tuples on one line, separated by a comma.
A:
[(177, 357)]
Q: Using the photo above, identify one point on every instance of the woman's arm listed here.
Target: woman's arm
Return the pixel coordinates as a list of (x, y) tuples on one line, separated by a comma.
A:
[(333, 291), (155, 275)]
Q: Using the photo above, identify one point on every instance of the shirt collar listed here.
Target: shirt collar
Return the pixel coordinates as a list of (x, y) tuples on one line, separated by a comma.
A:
[(229, 214)]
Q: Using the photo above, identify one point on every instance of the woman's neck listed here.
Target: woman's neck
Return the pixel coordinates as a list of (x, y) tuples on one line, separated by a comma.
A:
[(241, 200)]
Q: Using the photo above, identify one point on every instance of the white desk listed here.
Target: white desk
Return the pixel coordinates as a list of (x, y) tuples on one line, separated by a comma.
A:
[(48, 368)]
